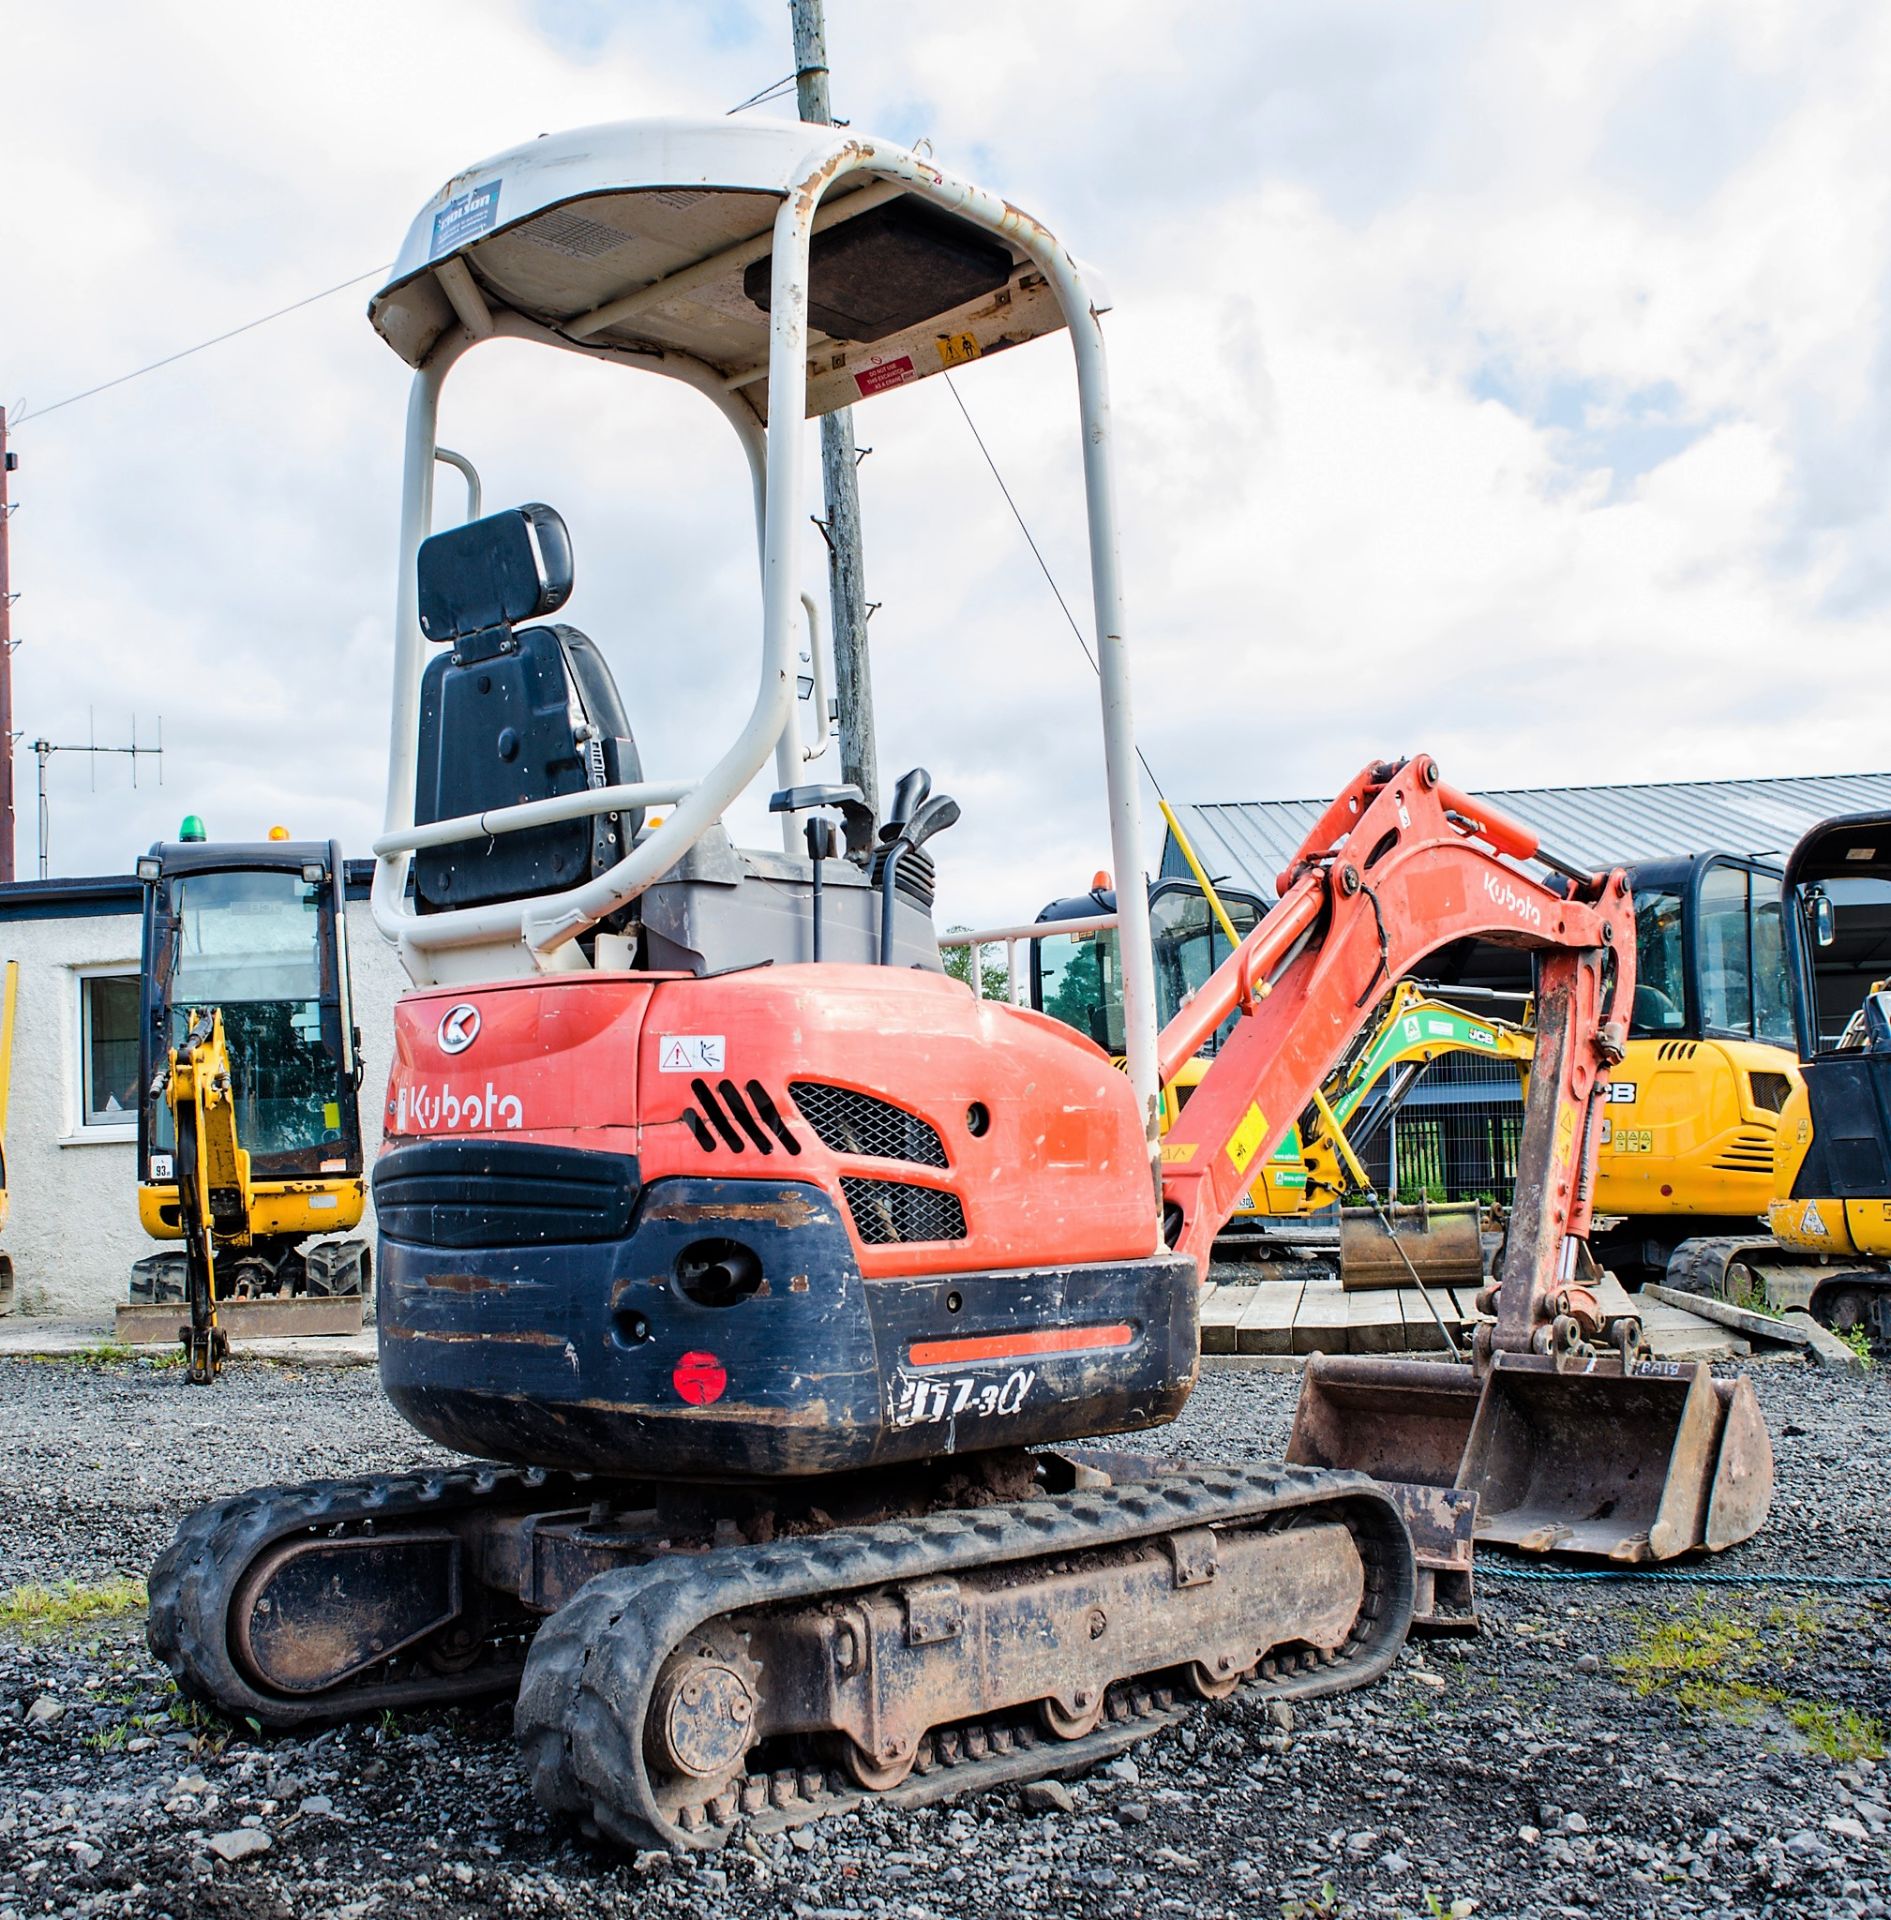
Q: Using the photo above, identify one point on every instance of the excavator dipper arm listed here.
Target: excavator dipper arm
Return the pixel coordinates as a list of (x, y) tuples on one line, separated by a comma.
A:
[(213, 1180), (1398, 867)]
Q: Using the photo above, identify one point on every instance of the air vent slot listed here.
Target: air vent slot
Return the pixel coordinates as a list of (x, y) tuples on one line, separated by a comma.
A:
[(892, 1212), (1750, 1151), (722, 1113), (1770, 1090), (870, 1129)]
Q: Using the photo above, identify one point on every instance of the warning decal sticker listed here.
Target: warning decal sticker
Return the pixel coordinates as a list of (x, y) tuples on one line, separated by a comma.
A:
[(884, 374), (692, 1053), (1247, 1138)]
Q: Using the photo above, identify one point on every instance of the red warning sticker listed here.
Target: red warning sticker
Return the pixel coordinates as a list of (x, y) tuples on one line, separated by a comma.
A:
[(700, 1378), (883, 374)]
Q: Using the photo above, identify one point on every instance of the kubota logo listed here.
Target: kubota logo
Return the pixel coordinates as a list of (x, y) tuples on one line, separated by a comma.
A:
[(1507, 897), (459, 1028)]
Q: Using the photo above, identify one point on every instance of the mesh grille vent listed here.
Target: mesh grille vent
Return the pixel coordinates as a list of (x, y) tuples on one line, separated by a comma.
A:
[(857, 1123), (890, 1212)]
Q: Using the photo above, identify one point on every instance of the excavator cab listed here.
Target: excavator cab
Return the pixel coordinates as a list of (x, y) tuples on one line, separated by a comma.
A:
[(254, 930), (1076, 970), (1833, 1180)]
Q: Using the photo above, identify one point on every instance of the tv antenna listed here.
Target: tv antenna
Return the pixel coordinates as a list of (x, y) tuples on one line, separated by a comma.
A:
[(45, 749)]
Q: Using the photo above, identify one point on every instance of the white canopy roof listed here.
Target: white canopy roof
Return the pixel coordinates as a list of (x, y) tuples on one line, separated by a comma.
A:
[(639, 235)]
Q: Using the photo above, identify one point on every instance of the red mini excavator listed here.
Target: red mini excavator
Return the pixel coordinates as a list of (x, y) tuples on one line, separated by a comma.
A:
[(774, 1267)]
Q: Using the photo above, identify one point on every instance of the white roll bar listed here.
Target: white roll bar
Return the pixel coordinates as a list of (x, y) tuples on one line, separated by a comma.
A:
[(775, 462)]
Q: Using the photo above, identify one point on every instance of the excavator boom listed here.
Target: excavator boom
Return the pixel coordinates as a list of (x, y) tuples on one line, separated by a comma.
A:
[(1400, 866), (1545, 1442)]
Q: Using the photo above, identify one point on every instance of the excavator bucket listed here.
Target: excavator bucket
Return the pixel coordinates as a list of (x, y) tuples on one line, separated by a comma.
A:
[(1633, 1466), (1620, 1466), (1386, 1247), (1405, 1422)]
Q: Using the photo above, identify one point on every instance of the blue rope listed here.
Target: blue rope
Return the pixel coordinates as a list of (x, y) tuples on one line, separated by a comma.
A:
[(1681, 1577)]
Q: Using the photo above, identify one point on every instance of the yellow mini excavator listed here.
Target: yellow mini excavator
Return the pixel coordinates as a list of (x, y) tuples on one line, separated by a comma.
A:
[(1829, 1204), (249, 1137)]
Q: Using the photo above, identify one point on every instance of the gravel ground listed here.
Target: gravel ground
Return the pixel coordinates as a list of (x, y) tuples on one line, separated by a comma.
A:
[(1521, 1773)]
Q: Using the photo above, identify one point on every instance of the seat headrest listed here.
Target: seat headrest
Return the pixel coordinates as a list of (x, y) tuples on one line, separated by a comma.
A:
[(494, 572)]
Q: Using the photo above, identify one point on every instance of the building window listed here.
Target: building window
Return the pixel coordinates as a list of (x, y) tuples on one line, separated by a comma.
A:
[(108, 1048)]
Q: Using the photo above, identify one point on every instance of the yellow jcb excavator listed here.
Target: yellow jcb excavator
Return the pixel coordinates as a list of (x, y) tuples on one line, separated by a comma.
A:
[(1829, 1204), (249, 1138)]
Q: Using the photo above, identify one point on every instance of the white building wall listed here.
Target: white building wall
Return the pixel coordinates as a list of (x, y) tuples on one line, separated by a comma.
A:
[(72, 1223)]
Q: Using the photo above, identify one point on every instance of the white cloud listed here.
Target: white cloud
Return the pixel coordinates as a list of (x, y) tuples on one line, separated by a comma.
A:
[(1506, 382)]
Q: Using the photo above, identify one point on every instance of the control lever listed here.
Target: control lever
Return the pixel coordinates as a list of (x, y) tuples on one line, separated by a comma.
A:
[(909, 793), (823, 842), (856, 817), (903, 835)]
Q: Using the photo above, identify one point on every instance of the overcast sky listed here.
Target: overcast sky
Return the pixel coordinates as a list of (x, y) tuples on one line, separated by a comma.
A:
[(1507, 381)]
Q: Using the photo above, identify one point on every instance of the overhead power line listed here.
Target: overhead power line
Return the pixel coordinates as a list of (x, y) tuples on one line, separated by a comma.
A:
[(773, 91), (216, 340), (1043, 568)]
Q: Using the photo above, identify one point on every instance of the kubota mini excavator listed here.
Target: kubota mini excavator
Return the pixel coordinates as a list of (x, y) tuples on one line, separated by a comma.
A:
[(770, 1274)]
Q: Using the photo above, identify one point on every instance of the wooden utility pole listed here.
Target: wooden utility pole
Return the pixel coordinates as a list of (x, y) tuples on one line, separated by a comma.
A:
[(8, 461), (847, 586)]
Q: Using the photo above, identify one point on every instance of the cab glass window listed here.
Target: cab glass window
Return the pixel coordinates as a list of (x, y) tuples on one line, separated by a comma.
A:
[(1723, 942), (251, 944), (1189, 943), (1772, 998), (1082, 984), (1660, 964), (1742, 956)]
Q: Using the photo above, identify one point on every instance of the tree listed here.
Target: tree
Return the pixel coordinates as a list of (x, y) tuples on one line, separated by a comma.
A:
[(994, 983)]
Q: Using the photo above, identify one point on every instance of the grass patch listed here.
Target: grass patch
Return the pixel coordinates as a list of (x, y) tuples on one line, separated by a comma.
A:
[(1860, 1343), (1729, 1666), (34, 1609), (1836, 1732), (109, 1353)]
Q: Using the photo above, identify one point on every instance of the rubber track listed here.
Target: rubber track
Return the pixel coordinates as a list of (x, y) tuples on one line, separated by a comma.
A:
[(198, 1574), (1700, 1266), (593, 1667)]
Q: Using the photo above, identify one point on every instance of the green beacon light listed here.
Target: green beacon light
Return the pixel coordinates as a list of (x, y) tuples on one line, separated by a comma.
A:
[(193, 828)]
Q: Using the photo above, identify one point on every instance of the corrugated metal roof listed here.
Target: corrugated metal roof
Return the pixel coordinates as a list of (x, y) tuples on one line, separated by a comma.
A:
[(1248, 842)]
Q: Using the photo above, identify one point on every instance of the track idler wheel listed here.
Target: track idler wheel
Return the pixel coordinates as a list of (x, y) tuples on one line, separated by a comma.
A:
[(702, 1721)]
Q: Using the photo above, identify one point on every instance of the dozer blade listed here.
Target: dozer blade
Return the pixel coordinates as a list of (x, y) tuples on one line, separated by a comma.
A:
[(1439, 1244), (1406, 1423), (1631, 1466)]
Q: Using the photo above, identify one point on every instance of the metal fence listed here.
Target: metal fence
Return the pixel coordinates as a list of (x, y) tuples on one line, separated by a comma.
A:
[(1456, 1135)]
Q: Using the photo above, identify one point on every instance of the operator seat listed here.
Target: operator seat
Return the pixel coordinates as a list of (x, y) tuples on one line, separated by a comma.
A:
[(512, 713)]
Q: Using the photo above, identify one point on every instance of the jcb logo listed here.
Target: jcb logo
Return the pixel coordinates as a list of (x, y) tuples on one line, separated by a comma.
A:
[(1621, 1093)]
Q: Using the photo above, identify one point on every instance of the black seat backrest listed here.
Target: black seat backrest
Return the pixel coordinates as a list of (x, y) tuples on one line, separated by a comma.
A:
[(512, 713)]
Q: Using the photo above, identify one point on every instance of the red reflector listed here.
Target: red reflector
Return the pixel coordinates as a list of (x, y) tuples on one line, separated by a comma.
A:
[(700, 1378), (1016, 1346)]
